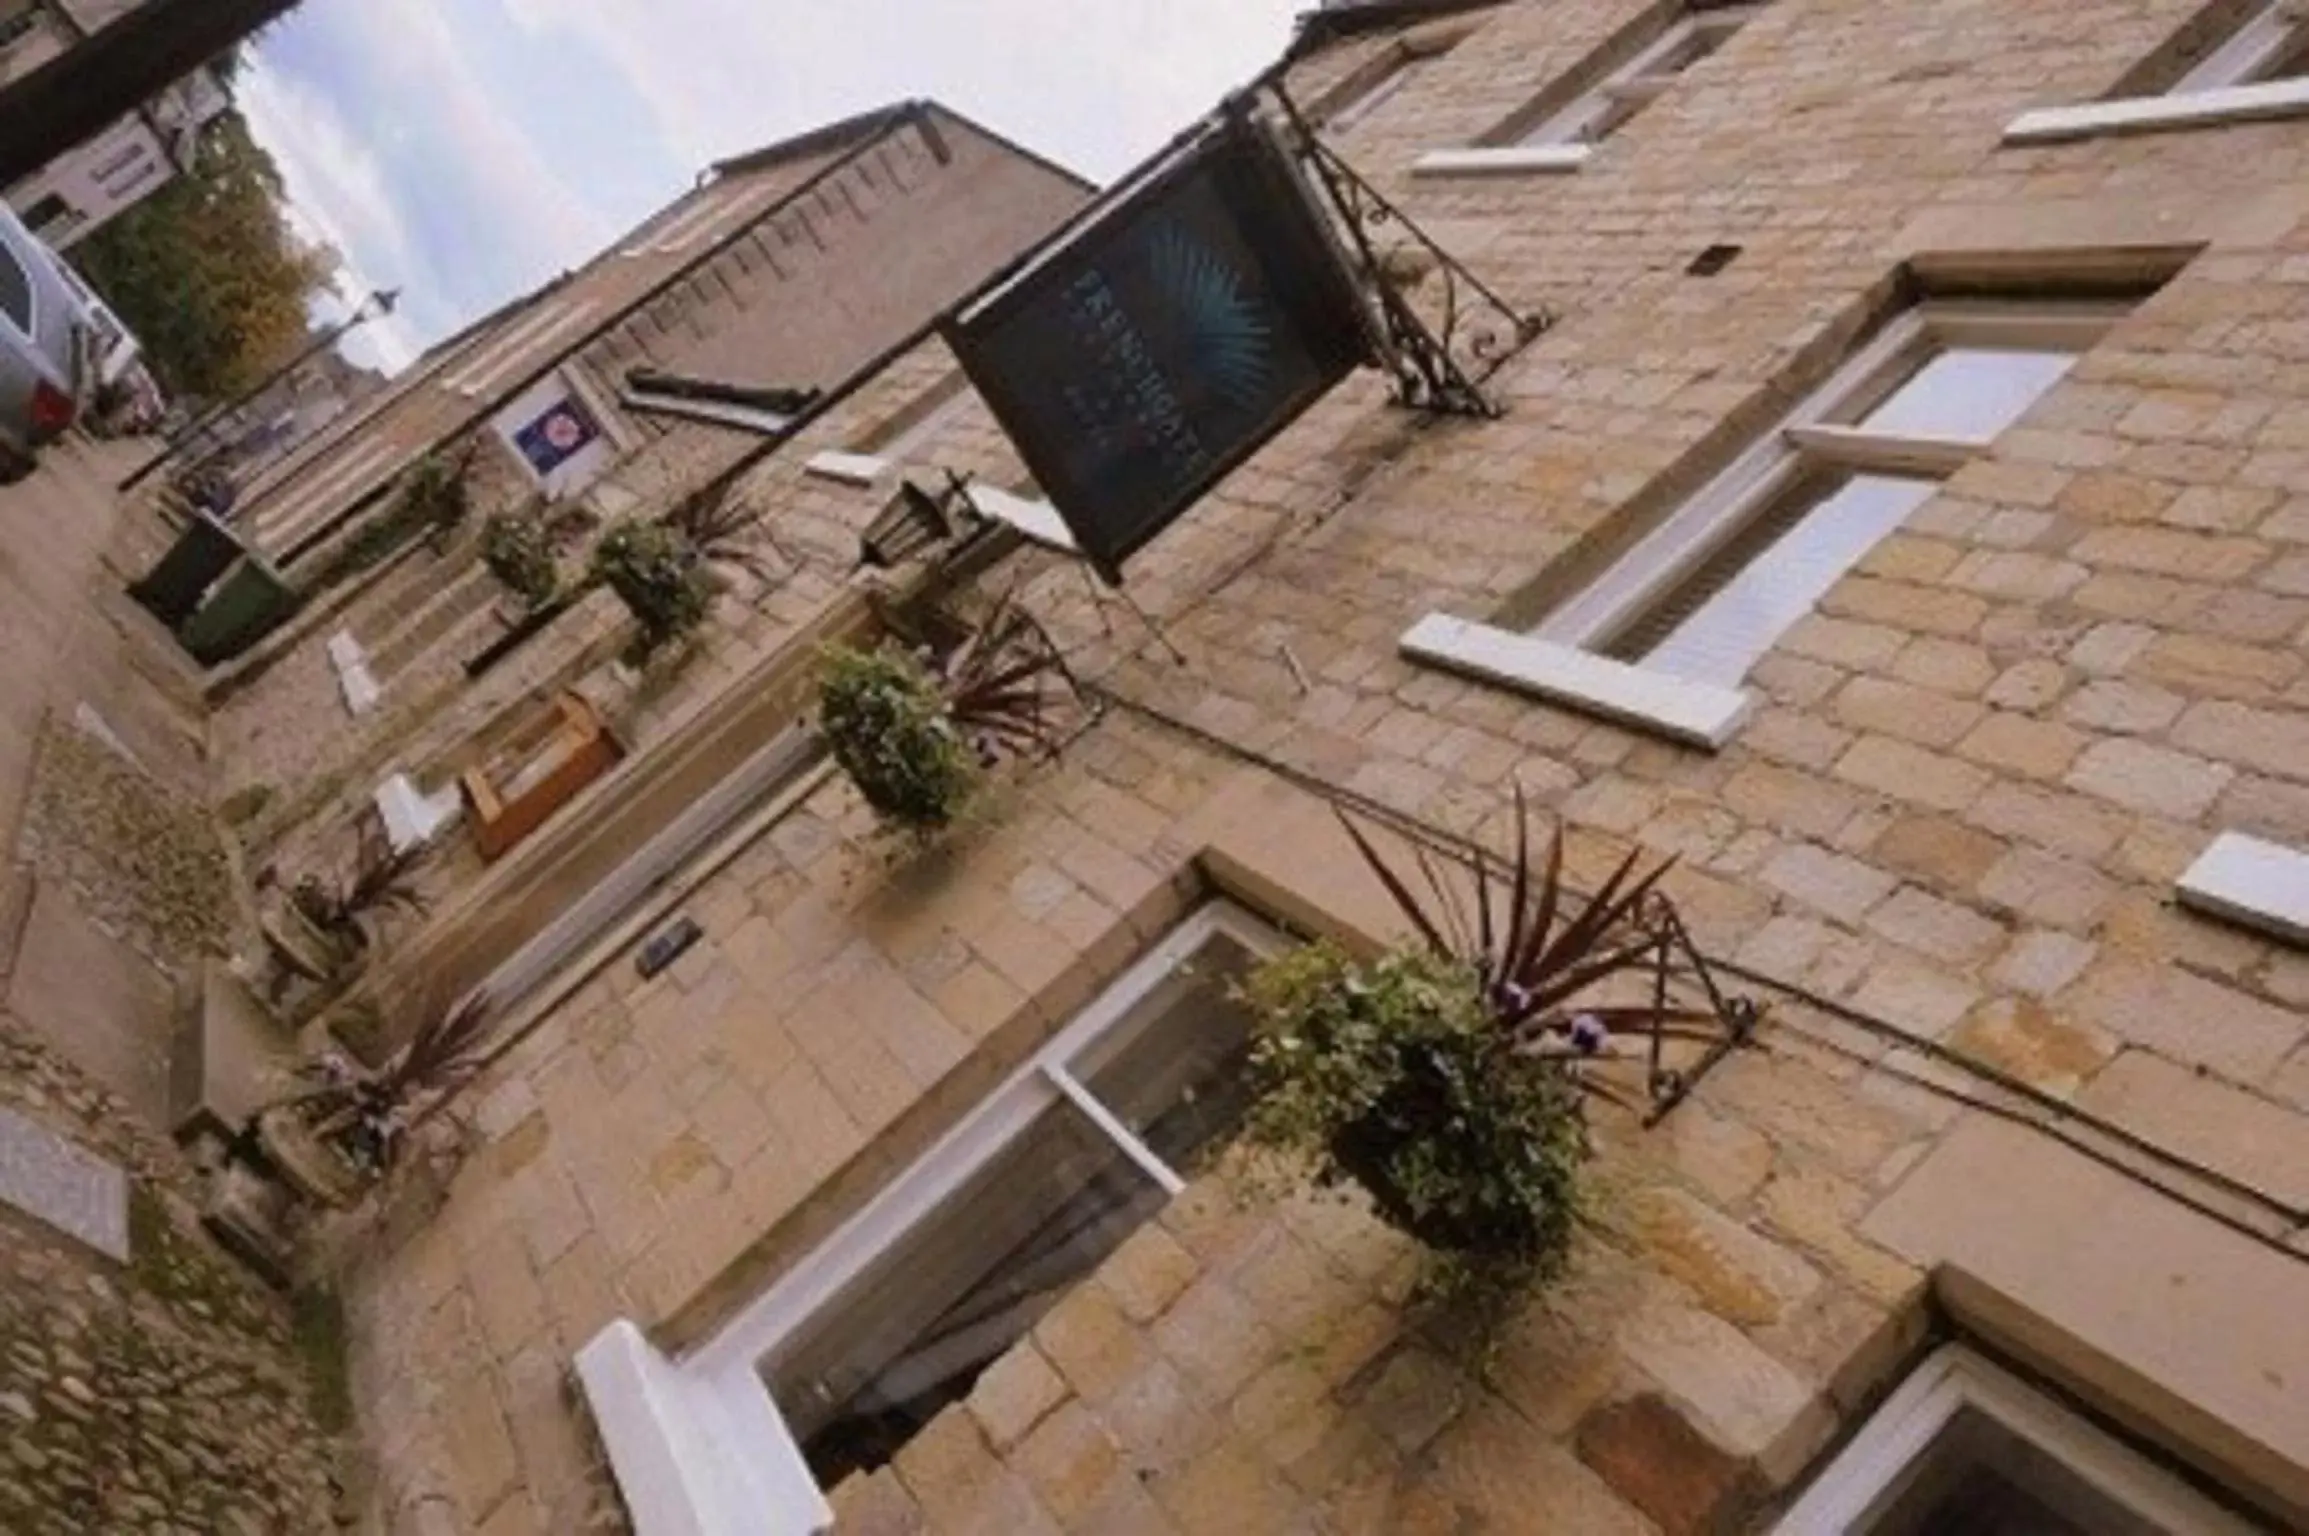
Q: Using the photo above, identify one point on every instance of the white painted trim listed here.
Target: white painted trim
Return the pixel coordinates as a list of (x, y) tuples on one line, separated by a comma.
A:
[(1510, 160), (1956, 1380), (1698, 714), (1142, 1156), (2255, 46), (2253, 882), (1668, 554), (658, 1424), (1884, 453), (2154, 114), (355, 681), (698, 1445), (1638, 81), (847, 468), (411, 817), (359, 686), (720, 413), (1036, 520)]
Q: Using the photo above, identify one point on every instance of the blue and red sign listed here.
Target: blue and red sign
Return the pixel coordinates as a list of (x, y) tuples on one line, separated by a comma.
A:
[(560, 433)]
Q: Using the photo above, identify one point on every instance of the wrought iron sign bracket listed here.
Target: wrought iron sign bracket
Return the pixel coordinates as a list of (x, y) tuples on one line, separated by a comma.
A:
[(1441, 364), (1732, 1021)]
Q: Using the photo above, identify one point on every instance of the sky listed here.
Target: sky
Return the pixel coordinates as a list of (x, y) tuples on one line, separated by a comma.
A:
[(464, 151)]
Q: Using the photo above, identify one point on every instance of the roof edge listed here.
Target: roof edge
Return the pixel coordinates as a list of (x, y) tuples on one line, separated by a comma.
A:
[(1321, 28)]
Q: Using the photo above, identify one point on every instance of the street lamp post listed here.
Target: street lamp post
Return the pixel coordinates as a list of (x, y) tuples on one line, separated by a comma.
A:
[(376, 306)]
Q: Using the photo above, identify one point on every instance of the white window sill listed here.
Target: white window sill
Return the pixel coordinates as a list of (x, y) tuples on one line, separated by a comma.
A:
[(2257, 884), (846, 468), (1035, 520), (2153, 114), (354, 679), (684, 1467), (719, 413), (1516, 160), (1698, 714)]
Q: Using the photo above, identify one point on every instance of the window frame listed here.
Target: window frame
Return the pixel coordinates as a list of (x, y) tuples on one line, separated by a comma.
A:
[(699, 1444), (1564, 657), (1551, 142), (2266, 38), (2220, 89), (1819, 433), (1955, 1379), (1637, 83)]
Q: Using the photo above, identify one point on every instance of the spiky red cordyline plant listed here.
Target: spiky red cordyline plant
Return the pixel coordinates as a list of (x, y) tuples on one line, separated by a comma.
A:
[(998, 683), (380, 883), (1536, 955), (709, 520), (367, 1113)]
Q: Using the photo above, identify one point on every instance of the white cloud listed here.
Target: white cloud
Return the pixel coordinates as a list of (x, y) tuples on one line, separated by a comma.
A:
[(336, 197), (398, 146), (1096, 85), (434, 190)]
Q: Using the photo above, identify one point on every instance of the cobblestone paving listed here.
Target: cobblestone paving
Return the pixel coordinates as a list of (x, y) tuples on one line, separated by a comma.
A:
[(143, 862), (167, 1395)]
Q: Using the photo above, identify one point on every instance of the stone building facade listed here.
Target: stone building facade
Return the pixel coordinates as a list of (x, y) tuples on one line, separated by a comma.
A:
[(787, 269), (1993, 318)]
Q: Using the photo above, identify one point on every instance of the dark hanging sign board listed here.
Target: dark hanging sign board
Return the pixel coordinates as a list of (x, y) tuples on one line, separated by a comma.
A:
[(1164, 341)]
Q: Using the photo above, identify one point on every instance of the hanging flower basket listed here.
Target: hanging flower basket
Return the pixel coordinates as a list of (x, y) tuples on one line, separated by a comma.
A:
[(1448, 1078), (918, 735), (659, 577)]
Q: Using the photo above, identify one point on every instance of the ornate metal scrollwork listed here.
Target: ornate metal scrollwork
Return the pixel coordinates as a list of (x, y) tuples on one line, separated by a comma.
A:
[(1439, 361)]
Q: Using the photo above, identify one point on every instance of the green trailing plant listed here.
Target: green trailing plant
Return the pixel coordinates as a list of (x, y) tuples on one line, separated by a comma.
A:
[(918, 735), (1447, 1077), (517, 548), (435, 497), (659, 577)]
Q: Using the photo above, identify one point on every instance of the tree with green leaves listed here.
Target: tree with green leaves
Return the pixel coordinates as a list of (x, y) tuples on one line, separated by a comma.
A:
[(207, 270)]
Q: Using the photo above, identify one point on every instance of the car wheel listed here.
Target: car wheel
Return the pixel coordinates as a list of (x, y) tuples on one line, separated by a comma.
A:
[(16, 467)]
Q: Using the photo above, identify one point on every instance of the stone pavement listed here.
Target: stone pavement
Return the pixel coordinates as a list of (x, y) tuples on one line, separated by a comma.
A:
[(112, 882)]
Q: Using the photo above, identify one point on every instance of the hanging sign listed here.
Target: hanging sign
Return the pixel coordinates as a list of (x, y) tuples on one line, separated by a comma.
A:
[(1157, 345)]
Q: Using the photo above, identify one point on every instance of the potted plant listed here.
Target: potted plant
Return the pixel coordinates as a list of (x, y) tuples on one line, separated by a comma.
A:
[(1447, 1077), (339, 1134), (660, 578), (917, 734), (517, 547), (712, 520), (326, 926)]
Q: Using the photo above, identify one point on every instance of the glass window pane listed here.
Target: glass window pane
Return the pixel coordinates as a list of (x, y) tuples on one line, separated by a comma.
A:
[(911, 1334), (1971, 393), (1977, 1478), (1173, 1071), (1728, 633), (15, 290)]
